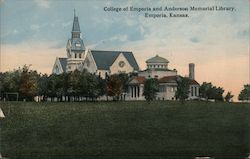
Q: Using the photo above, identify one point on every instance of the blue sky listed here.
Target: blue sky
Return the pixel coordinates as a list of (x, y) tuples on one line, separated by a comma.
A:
[(36, 31), (46, 20)]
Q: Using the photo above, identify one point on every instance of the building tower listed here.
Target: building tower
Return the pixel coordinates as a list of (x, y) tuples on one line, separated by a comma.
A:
[(157, 62), (191, 71), (75, 47)]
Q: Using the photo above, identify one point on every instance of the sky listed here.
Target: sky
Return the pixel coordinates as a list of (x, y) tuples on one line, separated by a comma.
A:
[(36, 32)]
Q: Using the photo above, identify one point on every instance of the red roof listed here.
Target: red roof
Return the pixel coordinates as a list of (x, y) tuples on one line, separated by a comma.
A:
[(167, 79), (194, 82), (140, 79)]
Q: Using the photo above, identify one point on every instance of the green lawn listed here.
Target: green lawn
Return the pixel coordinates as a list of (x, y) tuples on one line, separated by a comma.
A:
[(127, 129)]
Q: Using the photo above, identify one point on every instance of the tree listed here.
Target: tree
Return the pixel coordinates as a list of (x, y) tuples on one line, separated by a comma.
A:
[(151, 87), (101, 86), (43, 85), (205, 90), (10, 82), (74, 84), (56, 86), (93, 90), (114, 86), (245, 93), (228, 97), (28, 83), (83, 85), (182, 92), (218, 93), (125, 82), (208, 91)]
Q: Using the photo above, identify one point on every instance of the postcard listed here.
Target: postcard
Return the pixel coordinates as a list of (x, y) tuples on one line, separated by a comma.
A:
[(124, 79)]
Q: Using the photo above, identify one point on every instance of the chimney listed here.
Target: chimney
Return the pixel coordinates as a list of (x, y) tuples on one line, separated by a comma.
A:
[(191, 70)]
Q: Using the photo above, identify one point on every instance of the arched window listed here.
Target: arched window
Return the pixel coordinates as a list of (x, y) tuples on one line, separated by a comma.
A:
[(106, 74)]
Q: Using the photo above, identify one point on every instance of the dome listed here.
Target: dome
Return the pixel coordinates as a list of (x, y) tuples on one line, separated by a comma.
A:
[(157, 59)]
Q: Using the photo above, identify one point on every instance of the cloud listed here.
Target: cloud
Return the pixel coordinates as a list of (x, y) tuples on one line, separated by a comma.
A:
[(15, 31), (9, 33), (35, 27), (243, 34), (41, 55), (43, 3), (195, 40), (119, 37), (66, 24), (1, 1)]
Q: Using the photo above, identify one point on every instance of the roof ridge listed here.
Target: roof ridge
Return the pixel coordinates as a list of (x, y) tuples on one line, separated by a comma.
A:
[(113, 51)]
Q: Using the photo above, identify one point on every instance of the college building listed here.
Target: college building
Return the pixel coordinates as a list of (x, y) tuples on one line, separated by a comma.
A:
[(104, 63)]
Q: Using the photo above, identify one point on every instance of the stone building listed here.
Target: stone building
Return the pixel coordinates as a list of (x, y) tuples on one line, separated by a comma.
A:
[(105, 63), (98, 62), (157, 67)]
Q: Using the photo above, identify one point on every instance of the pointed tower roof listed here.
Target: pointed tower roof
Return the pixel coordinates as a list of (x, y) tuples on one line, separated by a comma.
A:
[(76, 26)]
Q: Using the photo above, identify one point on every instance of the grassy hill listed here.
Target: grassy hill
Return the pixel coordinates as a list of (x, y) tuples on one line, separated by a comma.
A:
[(128, 129)]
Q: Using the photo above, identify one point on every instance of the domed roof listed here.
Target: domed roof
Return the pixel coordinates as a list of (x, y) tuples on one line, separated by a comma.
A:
[(157, 59)]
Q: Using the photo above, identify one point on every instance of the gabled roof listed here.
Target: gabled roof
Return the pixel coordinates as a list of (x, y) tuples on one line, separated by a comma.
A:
[(74, 42), (168, 79), (63, 62), (76, 26), (157, 59), (105, 59), (139, 79), (194, 82)]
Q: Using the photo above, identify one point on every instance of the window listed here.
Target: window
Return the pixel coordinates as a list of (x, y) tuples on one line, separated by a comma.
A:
[(76, 35), (175, 89), (106, 75), (75, 55), (192, 91), (162, 88), (80, 55), (172, 89), (195, 91), (121, 63)]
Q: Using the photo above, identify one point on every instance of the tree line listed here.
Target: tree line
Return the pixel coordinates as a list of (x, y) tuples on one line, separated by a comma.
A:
[(82, 85), (72, 86), (207, 91)]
